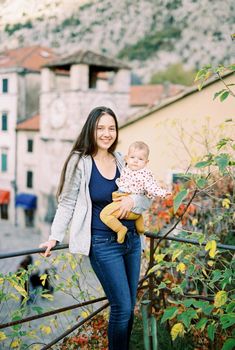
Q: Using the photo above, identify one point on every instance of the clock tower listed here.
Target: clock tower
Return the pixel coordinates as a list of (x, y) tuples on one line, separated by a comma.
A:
[(70, 88)]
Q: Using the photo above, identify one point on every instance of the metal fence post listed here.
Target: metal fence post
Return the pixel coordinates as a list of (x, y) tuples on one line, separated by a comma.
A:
[(144, 311)]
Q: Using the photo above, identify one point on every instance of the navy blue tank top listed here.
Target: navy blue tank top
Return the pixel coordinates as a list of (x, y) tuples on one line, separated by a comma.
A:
[(101, 190)]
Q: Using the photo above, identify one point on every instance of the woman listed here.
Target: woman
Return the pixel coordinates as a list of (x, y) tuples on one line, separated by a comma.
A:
[(86, 186)]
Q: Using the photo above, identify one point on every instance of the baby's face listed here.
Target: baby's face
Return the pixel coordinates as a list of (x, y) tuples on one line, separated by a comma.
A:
[(136, 159)]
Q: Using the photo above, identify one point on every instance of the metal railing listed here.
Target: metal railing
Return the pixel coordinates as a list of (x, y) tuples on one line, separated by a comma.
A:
[(150, 338)]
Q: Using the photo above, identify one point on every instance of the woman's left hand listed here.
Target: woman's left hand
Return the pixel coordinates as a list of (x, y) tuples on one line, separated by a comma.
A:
[(126, 204)]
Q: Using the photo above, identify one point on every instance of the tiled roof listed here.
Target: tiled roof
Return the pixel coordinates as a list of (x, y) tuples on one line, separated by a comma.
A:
[(31, 124), (90, 58), (148, 95), (149, 110), (31, 58)]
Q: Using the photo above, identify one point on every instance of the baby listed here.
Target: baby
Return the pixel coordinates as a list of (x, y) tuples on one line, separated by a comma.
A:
[(134, 179)]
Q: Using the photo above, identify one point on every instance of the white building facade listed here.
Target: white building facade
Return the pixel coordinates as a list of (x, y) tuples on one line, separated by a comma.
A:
[(27, 171), (19, 99)]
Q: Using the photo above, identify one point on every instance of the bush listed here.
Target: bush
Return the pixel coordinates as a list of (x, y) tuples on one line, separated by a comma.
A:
[(150, 44), (11, 29), (175, 74)]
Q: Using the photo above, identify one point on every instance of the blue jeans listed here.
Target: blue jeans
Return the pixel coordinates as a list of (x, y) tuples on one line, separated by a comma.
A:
[(117, 267)]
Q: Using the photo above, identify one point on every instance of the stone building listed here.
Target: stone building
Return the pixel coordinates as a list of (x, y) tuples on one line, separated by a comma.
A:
[(70, 88)]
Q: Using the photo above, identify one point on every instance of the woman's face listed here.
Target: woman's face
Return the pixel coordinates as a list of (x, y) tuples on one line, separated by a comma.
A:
[(105, 132)]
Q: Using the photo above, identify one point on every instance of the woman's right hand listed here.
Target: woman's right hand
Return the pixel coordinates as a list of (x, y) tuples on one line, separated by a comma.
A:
[(48, 245)]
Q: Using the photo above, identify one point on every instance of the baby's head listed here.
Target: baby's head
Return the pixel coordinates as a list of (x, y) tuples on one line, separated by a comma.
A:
[(137, 156)]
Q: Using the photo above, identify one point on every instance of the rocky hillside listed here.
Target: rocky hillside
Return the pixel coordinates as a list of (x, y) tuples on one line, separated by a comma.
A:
[(150, 34)]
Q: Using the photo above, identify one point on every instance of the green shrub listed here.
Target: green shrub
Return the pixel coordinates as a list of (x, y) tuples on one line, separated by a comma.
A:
[(175, 74), (10, 29), (150, 44)]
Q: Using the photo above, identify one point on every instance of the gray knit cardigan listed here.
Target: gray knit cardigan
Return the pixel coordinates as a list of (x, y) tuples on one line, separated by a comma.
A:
[(74, 208)]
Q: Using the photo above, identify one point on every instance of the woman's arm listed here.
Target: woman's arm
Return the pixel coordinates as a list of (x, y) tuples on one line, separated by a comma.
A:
[(66, 205), (67, 200)]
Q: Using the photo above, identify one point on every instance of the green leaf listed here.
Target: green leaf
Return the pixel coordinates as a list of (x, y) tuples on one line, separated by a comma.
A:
[(201, 324), (17, 326), (162, 285), (222, 161), (203, 164), (201, 182), (205, 306), (188, 302), (179, 198), (216, 276), (191, 269), (223, 142), (200, 74), (229, 344), (224, 95), (211, 331), (232, 66), (218, 93), (38, 309), (230, 307), (169, 314), (187, 316), (228, 277), (227, 320)]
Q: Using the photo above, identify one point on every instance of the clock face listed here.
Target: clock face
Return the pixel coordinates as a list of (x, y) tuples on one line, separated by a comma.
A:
[(57, 113)]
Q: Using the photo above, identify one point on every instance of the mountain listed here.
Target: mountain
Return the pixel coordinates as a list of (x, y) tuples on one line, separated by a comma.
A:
[(149, 34)]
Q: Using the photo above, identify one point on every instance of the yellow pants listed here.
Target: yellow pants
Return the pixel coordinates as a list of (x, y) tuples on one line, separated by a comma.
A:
[(109, 217)]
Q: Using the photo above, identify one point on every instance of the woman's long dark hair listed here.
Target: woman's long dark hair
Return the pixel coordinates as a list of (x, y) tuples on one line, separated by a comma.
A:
[(85, 144)]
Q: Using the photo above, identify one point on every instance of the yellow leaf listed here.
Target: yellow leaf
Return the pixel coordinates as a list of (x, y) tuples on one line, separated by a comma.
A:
[(176, 253), (204, 272), (220, 298), (226, 203), (15, 297), (159, 257), (16, 343), (20, 289), (84, 314), (37, 263), (2, 336), (194, 222), (210, 262), (177, 330), (33, 334), (208, 75), (43, 278), (46, 329), (36, 347), (69, 283), (1, 280), (181, 267), (48, 296), (211, 246), (54, 323), (63, 267), (72, 262)]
